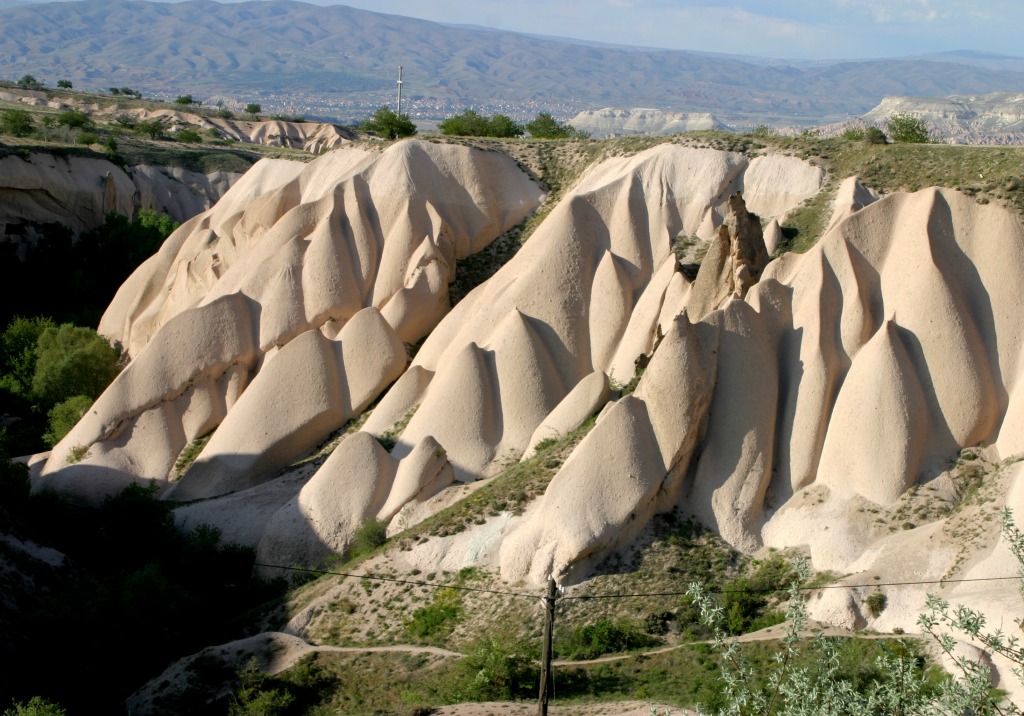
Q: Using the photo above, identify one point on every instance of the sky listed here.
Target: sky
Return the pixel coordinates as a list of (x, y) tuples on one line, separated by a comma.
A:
[(802, 29)]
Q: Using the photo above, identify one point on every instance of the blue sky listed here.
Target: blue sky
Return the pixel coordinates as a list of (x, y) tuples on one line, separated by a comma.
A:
[(810, 29)]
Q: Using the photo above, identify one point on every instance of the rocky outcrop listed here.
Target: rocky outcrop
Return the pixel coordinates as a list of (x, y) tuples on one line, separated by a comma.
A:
[(612, 122), (783, 403), (279, 315), (79, 192)]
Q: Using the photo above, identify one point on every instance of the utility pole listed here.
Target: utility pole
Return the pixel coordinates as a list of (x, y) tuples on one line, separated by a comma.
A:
[(399, 90), (545, 657)]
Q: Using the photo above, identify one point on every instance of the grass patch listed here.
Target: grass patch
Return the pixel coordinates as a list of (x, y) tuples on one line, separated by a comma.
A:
[(189, 454)]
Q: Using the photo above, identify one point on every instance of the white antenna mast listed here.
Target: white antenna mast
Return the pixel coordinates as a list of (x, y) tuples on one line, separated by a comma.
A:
[(399, 89)]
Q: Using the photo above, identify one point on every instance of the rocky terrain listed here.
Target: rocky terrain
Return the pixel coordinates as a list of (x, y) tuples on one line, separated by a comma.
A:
[(961, 119), (43, 183), (611, 122), (298, 370)]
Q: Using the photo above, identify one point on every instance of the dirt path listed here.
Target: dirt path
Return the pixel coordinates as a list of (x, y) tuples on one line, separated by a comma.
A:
[(408, 649), (768, 634)]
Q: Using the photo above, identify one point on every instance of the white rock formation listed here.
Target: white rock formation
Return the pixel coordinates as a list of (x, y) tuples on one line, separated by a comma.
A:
[(613, 122)]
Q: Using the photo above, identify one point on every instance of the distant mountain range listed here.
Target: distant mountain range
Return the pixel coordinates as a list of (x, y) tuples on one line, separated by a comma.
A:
[(336, 60)]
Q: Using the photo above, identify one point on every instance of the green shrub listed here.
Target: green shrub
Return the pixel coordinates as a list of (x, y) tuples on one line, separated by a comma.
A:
[(603, 636), (18, 351), (495, 669), (186, 99), (905, 129), (36, 706), (74, 119), (253, 110), (436, 621), (87, 138), (16, 122), (370, 535), (64, 84), (71, 360), (389, 125), (874, 135), (152, 128), (64, 416), (226, 114), (547, 127), (189, 136), (876, 603), (472, 124), (30, 82), (853, 134)]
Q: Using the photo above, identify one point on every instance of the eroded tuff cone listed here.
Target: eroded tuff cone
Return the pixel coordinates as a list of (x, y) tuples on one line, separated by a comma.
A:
[(733, 263), (358, 482), (358, 245)]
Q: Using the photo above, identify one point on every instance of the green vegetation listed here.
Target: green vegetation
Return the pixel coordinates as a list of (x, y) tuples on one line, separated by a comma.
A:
[(187, 100), (91, 268), (64, 415), (905, 129), (253, 110), (17, 123), (50, 372), (30, 83), (189, 136), (370, 535), (547, 127), (64, 84), (132, 594), (604, 636), (435, 622), (472, 124), (36, 706), (876, 603), (385, 123)]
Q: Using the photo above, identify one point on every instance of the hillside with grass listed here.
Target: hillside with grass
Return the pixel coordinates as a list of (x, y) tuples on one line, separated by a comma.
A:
[(406, 383)]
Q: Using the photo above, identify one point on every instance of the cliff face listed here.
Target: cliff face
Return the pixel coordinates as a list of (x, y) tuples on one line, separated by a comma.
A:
[(79, 192), (612, 122), (962, 119), (790, 403)]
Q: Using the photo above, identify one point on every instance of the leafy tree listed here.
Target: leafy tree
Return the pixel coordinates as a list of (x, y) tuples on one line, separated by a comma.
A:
[(504, 126), (227, 113), (36, 706), (64, 415), (389, 125), (853, 134), (547, 127), (253, 110), (18, 352), (71, 360), (472, 124), (905, 129), (16, 122), (64, 84), (152, 128), (74, 119), (125, 120), (30, 82), (187, 99), (115, 91)]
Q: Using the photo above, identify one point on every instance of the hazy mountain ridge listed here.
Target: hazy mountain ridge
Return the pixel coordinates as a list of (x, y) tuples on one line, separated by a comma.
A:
[(293, 48)]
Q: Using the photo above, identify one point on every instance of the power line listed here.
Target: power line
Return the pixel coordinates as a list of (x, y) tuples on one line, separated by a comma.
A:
[(377, 578), (786, 589), (636, 595)]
